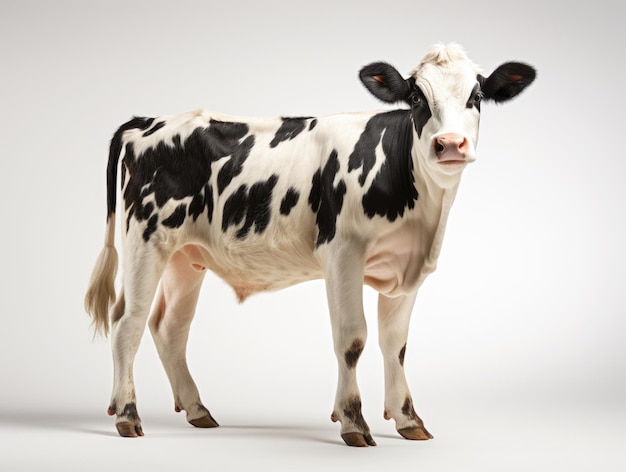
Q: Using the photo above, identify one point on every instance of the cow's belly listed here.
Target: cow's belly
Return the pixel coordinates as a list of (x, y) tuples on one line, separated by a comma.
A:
[(396, 263), (249, 270)]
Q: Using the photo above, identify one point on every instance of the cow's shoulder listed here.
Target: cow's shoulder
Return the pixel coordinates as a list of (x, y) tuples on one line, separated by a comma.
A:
[(392, 190)]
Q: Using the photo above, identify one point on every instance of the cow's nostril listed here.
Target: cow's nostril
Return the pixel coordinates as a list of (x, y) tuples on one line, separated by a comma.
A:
[(451, 147)]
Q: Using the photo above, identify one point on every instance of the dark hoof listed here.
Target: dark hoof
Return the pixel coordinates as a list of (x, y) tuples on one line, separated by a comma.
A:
[(204, 422), (358, 439), (126, 429), (415, 434)]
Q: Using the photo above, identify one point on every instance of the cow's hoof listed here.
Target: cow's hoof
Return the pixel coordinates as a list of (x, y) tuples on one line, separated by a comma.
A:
[(358, 439), (204, 422), (126, 429), (415, 434)]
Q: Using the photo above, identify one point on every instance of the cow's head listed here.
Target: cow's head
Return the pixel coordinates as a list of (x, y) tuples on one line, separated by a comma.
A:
[(445, 92)]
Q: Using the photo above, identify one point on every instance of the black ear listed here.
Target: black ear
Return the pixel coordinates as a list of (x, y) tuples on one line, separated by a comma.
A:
[(507, 81), (385, 82)]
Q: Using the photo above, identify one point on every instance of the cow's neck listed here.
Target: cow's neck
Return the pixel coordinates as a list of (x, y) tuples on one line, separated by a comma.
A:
[(432, 210)]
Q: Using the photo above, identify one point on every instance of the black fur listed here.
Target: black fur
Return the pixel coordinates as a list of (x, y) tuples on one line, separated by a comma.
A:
[(114, 155), (401, 355), (420, 110), (475, 98), (234, 166), (130, 412), (385, 82), (409, 411), (289, 201), (352, 411), (290, 128), (326, 200), (254, 204), (393, 189), (154, 128), (176, 219), (151, 227), (177, 170), (234, 208), (202, 200), (352, 354), (507, 81)]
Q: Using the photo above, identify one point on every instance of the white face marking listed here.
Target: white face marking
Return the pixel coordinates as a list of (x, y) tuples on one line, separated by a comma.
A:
[(449, 137)]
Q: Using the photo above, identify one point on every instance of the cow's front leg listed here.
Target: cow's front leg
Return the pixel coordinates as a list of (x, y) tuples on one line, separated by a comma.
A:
[(344, 286), (393, 326)]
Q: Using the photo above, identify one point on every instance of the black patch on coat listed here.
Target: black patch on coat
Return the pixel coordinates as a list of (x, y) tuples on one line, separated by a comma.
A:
[(353, 353), (352, 410), (253, 204), (475, 98), (114, 155), (409, 411), (234, 165), (154, 129), (234, 208), (201, 201), (130, 412), (420, 110), (326, 200), (175, 220), (401, 355), (289, 129), (176, 169), (313, 124), (289, 201), (150, 228), (144, 211), (393, 189)]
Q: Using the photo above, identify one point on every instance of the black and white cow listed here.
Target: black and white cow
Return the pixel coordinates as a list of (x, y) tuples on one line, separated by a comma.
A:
[(359, 198)]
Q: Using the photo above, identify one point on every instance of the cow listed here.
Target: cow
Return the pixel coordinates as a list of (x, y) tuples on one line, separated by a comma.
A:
[(265, 203)]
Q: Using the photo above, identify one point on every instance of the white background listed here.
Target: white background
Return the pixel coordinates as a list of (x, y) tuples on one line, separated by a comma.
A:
[(516, 353)]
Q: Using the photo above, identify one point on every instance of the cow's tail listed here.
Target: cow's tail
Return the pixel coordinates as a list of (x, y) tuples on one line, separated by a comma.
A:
[(101, 292)]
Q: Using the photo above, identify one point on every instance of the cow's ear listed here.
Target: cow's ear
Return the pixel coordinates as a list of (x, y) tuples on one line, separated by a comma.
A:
[(507, 81), (385, 82)]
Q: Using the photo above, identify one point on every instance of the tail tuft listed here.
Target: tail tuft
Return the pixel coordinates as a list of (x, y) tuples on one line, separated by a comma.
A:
[(101, 292)]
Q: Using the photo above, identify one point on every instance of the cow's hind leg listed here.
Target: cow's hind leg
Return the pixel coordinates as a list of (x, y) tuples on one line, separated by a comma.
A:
[(344, 286), (143, 267), (169, 324), (393, 322)]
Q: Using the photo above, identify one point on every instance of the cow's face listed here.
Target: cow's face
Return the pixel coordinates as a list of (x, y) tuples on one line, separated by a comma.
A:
[(445, 93)]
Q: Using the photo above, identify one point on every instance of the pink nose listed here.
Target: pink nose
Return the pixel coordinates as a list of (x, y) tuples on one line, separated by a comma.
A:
[(450, 147)]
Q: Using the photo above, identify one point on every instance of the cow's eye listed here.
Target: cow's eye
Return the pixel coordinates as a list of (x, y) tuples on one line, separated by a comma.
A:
[(416, 100), (475, 99)]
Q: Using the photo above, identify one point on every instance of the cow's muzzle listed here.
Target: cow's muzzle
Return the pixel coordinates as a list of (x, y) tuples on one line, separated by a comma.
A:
[(452, 148)]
